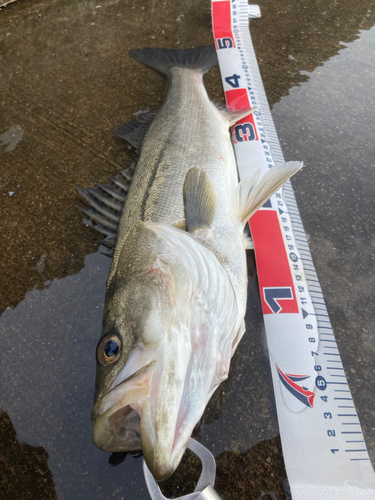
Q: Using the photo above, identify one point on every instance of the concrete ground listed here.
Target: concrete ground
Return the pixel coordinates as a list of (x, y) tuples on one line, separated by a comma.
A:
[(66, 82)]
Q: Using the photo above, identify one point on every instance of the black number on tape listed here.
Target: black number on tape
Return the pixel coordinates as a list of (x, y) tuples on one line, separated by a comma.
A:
[(224, 43), (244, 132), (233, 81), (321, 383)]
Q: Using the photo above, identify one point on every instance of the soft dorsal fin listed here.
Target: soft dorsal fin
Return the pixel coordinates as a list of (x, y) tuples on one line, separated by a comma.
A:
[(199, 199), (135, 130)]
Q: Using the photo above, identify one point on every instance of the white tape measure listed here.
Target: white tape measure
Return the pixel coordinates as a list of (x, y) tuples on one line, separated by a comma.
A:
[(323, 445)]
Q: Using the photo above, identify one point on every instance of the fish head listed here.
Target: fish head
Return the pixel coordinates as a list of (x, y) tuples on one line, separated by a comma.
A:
[(169, 325), (138, 382)]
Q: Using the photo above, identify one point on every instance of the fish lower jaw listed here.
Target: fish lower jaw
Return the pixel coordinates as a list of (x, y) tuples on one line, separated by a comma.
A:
[(162, 469), (162, 453), (117, 416)]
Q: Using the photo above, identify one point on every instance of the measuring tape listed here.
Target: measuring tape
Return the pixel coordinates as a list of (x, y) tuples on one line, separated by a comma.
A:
[(324, 449)]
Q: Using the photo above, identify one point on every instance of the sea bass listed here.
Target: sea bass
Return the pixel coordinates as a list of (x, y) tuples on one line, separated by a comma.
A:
[(177, 287)]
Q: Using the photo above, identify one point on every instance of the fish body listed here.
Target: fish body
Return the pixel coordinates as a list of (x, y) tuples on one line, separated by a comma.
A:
[(176, 291), (188, 131)]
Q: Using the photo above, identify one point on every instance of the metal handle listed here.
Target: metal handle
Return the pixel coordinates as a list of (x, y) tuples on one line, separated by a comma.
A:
[(204, 489), (208, 493)]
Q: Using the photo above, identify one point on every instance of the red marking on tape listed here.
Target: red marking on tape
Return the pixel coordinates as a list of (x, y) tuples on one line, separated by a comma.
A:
[(245, 129), (237, 99), (222, 25), (272, 260)]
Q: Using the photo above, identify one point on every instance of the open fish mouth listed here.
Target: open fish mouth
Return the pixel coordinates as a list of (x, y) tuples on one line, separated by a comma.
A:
[(116, 415), (124, 420)]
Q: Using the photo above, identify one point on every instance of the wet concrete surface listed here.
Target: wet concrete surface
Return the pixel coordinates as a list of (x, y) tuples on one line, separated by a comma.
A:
[(66, 81), (331, 126), (35, 481)]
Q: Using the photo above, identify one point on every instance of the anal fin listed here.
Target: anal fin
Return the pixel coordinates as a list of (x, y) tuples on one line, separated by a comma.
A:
[(247, 239), (248, 242), (234, 116)]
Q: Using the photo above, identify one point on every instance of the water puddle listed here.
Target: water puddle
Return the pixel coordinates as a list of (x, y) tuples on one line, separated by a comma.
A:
[(328, 122), (47, 386)]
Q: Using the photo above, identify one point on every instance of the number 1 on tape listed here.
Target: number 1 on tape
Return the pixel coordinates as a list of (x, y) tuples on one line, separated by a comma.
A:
[(323, 445)]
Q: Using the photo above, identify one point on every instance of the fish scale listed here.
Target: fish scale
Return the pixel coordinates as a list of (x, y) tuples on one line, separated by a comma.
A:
[(171, 147)]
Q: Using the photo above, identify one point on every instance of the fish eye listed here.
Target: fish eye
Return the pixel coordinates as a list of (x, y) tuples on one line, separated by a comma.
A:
[(109, 349)]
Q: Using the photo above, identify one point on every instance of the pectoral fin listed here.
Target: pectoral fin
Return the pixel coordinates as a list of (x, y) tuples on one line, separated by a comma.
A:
[(253, 193), (199, 200)]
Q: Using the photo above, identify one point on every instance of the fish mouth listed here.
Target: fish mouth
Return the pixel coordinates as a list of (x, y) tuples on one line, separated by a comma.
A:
[(116, 415), (127, 418), (124, 420)]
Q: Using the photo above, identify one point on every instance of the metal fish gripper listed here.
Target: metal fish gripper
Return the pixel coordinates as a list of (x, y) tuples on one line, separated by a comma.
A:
[(205, 486)]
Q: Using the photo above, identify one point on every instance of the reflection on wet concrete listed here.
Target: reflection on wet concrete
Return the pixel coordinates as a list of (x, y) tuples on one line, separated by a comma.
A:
[(292, 37), (24, 471), (67, 81)]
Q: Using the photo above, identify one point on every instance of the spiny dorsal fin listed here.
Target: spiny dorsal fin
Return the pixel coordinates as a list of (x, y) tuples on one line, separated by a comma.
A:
[(252, 193), (106, 205), (199, 199), (107, 201), (134, 131)]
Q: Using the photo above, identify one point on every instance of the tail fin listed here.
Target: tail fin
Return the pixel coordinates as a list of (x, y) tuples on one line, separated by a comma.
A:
[(200, 59), (253, 193)]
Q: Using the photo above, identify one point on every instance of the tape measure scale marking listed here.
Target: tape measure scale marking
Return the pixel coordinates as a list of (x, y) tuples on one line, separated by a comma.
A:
[(315, 408)]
